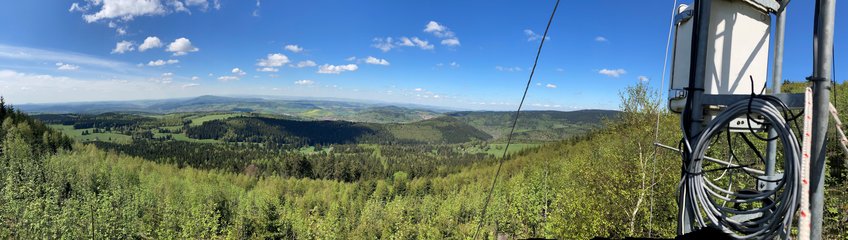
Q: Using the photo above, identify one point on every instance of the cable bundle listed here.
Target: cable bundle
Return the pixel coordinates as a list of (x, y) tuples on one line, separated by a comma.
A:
[(778, 204)]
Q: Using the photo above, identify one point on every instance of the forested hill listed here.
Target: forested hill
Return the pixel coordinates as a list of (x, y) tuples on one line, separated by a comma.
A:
[(273, 130), (606, 184), (304, 109), (536, 125)]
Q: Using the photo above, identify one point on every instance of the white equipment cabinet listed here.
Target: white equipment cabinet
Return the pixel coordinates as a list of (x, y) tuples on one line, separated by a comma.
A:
[(738, 47)]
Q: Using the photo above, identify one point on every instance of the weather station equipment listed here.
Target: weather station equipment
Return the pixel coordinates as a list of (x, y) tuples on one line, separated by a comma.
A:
[(719, 74)]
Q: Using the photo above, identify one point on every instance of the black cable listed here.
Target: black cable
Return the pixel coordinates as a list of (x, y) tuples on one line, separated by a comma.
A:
[(514, 122)]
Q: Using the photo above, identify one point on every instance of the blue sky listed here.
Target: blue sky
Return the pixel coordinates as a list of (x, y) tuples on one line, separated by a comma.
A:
[(461, 54)]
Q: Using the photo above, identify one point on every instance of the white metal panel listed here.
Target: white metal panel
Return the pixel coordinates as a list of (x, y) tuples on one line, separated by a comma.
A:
[(738, 48)]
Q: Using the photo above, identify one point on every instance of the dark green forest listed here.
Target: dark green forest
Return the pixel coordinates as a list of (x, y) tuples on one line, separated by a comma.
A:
[(608, 181)]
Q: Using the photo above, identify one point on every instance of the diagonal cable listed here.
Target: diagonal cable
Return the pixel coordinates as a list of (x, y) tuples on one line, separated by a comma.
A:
[(514, 122)]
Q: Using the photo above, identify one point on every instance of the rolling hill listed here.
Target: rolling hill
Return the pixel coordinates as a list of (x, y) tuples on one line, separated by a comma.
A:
[(536, 125)]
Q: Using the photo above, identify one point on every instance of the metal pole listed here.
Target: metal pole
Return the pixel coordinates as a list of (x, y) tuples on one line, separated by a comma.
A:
[(694, 110), (777, 83), (822, 65)]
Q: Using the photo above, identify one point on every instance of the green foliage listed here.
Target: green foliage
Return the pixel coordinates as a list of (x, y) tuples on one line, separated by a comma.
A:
[(610, 182)]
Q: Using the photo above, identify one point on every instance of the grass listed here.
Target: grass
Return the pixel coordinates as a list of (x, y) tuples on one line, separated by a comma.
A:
[(105, 137), (496, 149), (197, 121)]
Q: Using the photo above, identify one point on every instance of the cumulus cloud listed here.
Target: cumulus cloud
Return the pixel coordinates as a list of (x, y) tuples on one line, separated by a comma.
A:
[(181, 46), (303, 64), (550, 85), (195, 78), (643, 78), (376, 61), (123, 46), (601, 39), (161, 62), (442, 31), (66, 66), (419, 43), (453, 42), (268, 69), (304, 82), (188, 85), (293, 48), (437, 29), (508, 69), (239, 72), (273, 60), (149, 43), (336, 69), (127, 10), (612, 72), (227, 78), (121, 9), (386, 44), (533, 36)]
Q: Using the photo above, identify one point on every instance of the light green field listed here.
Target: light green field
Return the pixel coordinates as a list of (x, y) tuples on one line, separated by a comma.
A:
[(105, 137), (183, 137), (311, 149), (202, 119), (496, 149)]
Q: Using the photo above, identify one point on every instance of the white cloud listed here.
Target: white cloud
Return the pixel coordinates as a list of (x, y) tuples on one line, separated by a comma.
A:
[(303, 64), (351, 58), (273, 60), (643, 78), (293, 48), (508, 69), (336, 69), (268, 69), (238, 71), (123, 46), (451, 42), (75, 7), (227, 78), (47, 88), (433, 26), (149, 43), (550, 85), (188, 85), (127, 10), (384, 44), (161, 62), (454, 64), (304, 82), (612, 72), (376, 61), (439, 30), (66, 66), (422, 43), (419, 89), (38, 55), (601, 39), (121, 9), (532, 36), (181, 46), (387, 44), (195, 78), (442, 31)]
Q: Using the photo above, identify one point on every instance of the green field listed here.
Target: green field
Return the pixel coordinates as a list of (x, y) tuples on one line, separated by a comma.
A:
[(77, 134), (197, 121), (496, 149)]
